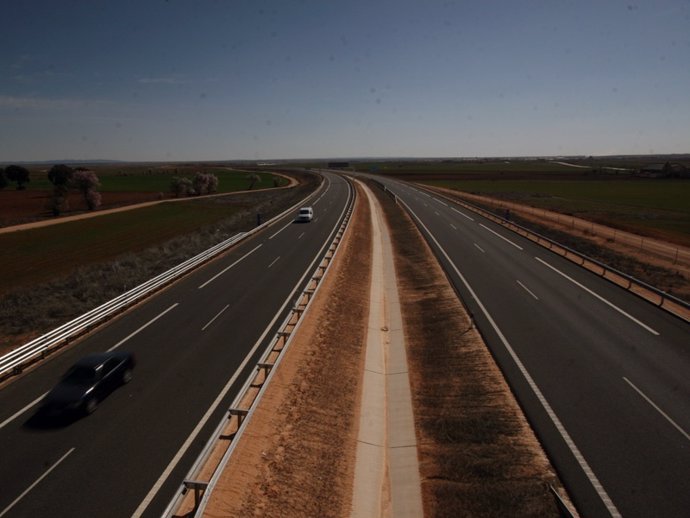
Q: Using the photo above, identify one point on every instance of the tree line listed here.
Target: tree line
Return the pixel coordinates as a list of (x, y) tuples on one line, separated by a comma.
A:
[(63, 178)]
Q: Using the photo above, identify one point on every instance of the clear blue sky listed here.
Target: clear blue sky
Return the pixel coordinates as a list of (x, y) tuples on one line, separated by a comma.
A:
[(236, 79)]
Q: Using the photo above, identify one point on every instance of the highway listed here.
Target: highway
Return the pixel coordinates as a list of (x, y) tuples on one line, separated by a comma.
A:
[(195, 343), (603, 376)]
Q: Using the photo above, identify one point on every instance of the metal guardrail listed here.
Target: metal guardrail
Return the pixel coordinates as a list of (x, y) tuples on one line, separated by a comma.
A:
[(584, 259), (232, 426), (15, 361)]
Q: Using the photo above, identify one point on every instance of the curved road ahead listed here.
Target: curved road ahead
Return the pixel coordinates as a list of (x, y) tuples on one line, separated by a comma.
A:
[(603, 376), (195, 343)]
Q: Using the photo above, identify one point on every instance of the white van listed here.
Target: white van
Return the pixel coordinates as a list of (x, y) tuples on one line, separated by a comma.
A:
[(305, 214)]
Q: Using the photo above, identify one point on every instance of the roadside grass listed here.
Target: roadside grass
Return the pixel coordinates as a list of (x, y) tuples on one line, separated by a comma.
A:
[(33, 256)]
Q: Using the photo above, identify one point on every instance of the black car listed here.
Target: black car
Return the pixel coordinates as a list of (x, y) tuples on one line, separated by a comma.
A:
[(89, 381)]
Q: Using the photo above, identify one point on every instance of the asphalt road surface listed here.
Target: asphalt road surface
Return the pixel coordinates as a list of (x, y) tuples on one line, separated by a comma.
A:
[(195, 343), (604, 377)]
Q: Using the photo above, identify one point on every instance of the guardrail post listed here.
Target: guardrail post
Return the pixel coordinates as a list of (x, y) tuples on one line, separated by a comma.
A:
[(240, 413), (198, 487)]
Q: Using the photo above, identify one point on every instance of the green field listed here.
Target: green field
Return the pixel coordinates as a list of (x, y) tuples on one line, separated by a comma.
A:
[(648, 206), (32, 256), (413, 168), (601, 189), (129, 178)]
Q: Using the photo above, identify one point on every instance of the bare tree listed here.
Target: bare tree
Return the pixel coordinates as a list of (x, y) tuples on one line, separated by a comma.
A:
[(205, 183), (87, 182), (181, 186), (253, 178)]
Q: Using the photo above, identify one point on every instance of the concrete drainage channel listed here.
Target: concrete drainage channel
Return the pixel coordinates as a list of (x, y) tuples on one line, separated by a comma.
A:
[(194, 492)]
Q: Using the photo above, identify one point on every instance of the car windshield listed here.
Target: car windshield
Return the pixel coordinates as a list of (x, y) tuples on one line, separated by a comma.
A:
[(80, 374)]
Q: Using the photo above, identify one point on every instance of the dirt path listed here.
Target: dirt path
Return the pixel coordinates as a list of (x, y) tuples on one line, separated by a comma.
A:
[(132, 206), (477, 454)]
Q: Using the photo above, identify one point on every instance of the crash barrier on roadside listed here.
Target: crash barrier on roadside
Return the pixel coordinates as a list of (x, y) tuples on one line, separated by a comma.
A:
[(665, 301), (204, 474), (15, 361)]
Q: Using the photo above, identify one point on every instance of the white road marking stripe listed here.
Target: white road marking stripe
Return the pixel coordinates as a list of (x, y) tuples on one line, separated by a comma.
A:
[(226, 269), (118, 344), (274, 261), (499, 235), (596, 295), (533, 385), (214, 318), (27, 407), (286, 226), (664, 414), (436, 213), (462, 213), (300, 236), (16, 501), (39, 398), (441, 202), (479, 248), (454, 227), (527, 290)]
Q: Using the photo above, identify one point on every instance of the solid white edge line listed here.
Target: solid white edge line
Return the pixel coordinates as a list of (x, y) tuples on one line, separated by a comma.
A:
[(118, 344), (664, 414), (527, 290), (602, 299), (16, 501), (226, 269), (502, 237), (610, 506), (214, 318)]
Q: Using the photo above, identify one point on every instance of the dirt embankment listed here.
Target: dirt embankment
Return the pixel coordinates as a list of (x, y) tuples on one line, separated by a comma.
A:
[(477, 454)]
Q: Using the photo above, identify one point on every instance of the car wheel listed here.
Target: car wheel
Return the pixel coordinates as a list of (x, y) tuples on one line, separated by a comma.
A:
[(127, 376), (90, 405)]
